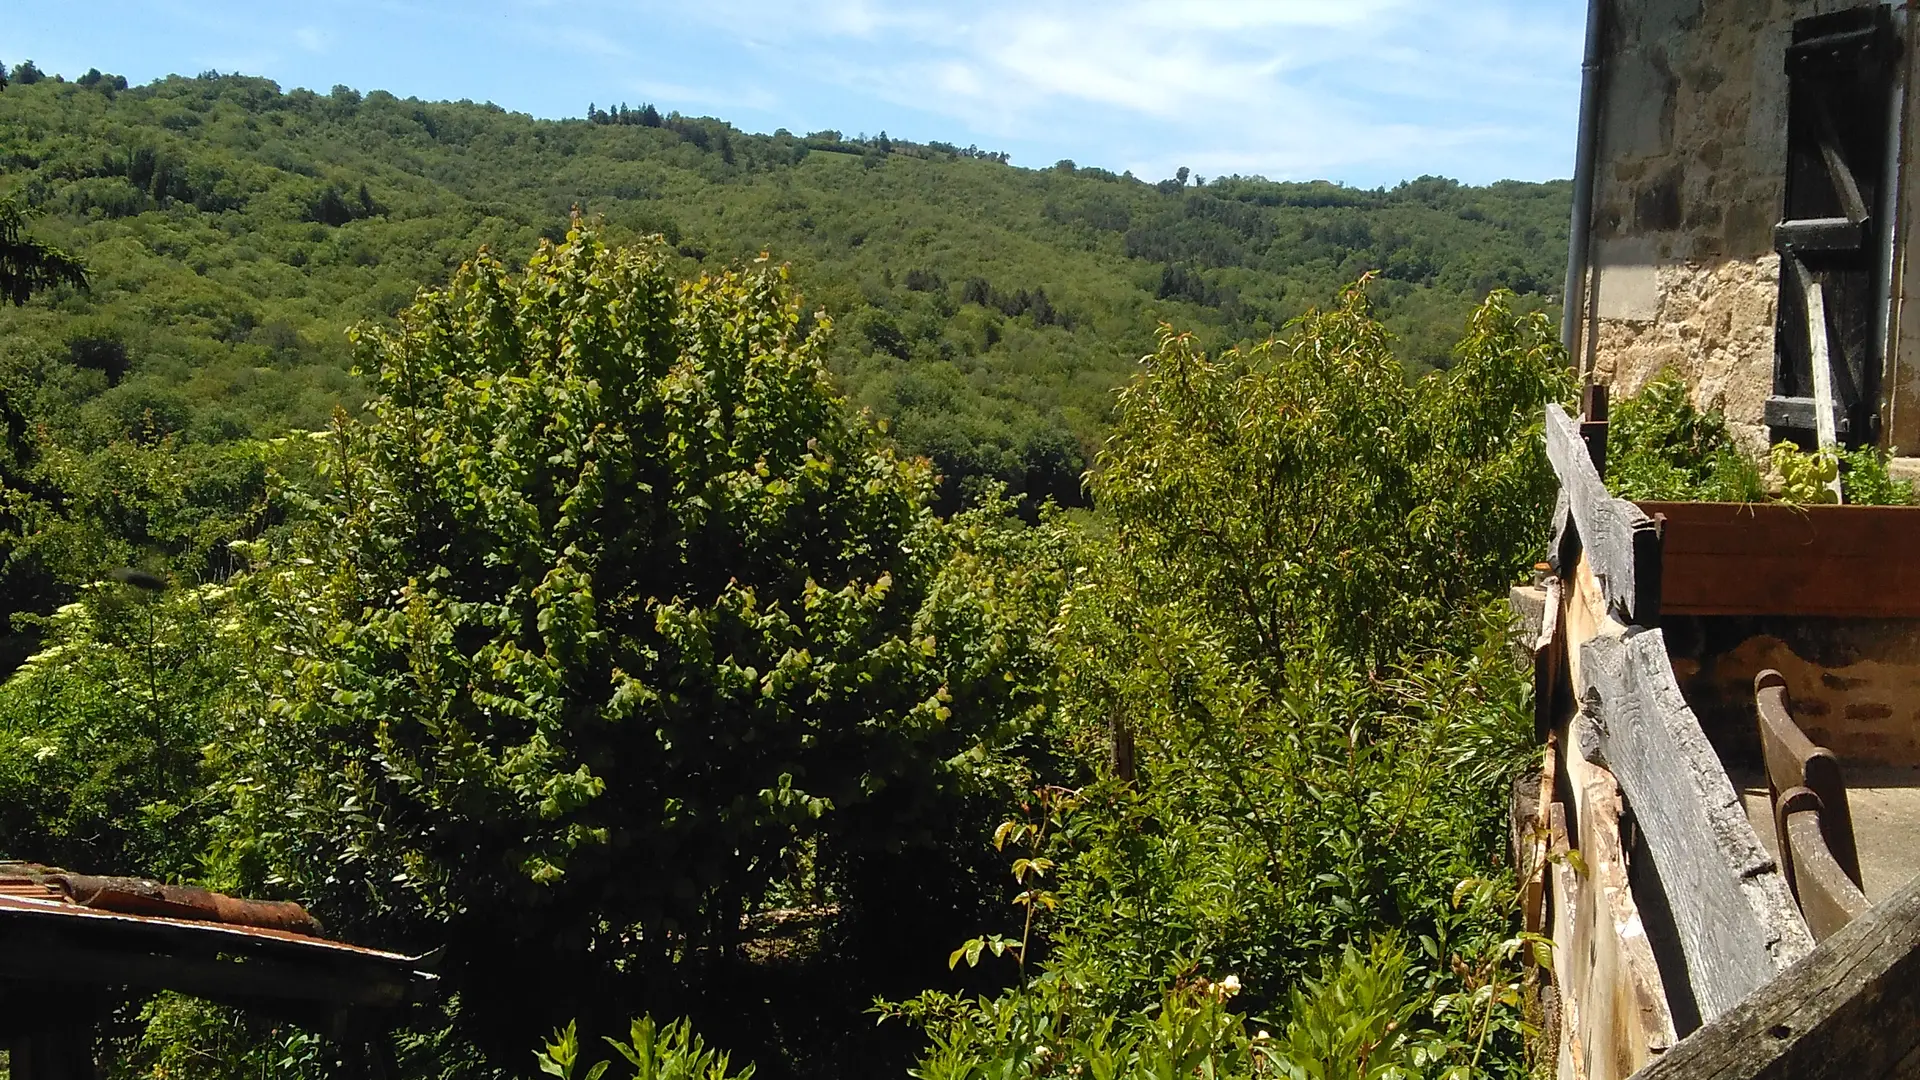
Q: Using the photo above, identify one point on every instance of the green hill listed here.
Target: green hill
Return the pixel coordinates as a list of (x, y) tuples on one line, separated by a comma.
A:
[(235, 232)]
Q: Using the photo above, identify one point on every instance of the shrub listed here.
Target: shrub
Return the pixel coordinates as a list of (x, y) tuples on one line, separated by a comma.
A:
[(1294, 715), (1660, 447), (652, 1051)]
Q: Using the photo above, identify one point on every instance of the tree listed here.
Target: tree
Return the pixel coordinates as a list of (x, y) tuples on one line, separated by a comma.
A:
[(610, 619), (1284, 620), (28, 266)]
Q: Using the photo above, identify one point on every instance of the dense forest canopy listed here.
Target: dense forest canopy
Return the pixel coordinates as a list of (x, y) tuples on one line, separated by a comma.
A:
[(237, 230), (627, 556)]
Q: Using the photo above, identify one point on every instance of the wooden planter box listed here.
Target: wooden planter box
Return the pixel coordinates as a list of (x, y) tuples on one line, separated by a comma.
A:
[(1773, 559)]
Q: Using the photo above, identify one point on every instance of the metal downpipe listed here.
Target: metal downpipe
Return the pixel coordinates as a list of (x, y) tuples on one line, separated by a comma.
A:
[(1579, 234)]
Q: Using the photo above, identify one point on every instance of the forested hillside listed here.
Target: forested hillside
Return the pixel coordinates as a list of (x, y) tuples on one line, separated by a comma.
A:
[(235, 232)]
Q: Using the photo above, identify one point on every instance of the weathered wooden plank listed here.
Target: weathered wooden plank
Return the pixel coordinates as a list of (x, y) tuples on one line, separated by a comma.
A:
[(1605, 525), (1527, 839), (1620, 1013), (1735, 921), (1768, 559), (1838, 171), (1540, 642), (1819, 356), (1849, 1010), (1563, 895), (1820, 234), (1781, 411)]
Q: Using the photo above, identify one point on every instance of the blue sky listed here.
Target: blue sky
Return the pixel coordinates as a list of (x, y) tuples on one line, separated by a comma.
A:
[(1361, 91)]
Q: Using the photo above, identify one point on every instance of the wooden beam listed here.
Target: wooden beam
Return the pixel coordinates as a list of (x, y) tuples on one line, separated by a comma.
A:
[(1606, 527), (1820, 358), (1546, 645), (1849, 1010), (1610, 980), (1769, 559), (1793, 761), (1797, 412), (1734, 918), (1828, 898), (1821, 234), (1527, 836), (1838, 171)]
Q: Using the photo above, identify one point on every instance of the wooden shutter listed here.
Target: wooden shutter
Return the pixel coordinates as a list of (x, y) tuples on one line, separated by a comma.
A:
[(1828, 340)]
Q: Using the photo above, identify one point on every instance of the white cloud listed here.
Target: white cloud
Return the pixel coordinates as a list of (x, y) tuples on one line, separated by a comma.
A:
[(1283, 87), (313, 39)]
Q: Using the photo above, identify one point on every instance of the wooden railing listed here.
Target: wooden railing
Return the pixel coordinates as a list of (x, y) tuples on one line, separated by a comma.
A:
[(1680, 950), (1733, 918), (1849, 1010), (1674, 912)]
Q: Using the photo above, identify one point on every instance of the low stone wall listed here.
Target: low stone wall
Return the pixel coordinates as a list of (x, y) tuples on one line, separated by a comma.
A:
[(1854, 683)]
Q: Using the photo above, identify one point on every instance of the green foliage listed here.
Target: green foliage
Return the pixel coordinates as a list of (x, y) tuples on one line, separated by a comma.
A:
[(69, 518), (1363, 1017), (235, 231), (603, 634), (1660, 447), (1364, 508), (1866, 482), (102, 733), (28, 266), (654, 1052), (606, 617), (1358, 1020), (1806, 476), (1049, 1031), (1283, 623), (185, 1038)]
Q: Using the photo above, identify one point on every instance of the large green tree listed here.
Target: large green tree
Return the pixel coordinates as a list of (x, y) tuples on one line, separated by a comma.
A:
[(610, 622), (1295, 722)]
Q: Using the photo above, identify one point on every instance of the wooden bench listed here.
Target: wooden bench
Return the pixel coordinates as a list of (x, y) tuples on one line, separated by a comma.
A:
[(1811, 819)]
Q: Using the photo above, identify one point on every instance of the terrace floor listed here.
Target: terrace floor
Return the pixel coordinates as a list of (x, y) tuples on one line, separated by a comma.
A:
[(1885, 802)]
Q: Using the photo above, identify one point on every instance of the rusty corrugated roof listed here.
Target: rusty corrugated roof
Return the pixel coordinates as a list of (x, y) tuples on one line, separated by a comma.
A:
[(76, 929), (12, 902)]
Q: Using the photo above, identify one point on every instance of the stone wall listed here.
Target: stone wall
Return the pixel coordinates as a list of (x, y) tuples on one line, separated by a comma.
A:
[(1854, 683), (1689, 182), (1712, 322)]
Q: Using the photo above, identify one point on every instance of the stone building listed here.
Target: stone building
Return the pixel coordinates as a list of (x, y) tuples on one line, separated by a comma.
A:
[(1743, 182)]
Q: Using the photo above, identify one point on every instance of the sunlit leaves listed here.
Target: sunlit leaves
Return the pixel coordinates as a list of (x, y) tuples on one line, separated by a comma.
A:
[(609, 614)]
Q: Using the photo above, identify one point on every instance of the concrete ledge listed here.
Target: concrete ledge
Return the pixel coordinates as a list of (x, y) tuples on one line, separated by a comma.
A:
[(1905, 469)]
